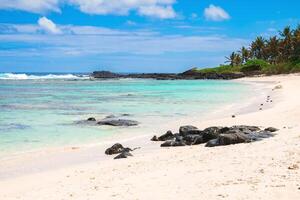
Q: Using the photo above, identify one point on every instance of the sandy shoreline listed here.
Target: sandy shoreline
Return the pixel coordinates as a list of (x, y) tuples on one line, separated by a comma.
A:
[(257, 170)]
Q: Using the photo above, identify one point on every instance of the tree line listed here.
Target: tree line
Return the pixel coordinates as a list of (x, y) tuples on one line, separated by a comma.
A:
[(274, 50)]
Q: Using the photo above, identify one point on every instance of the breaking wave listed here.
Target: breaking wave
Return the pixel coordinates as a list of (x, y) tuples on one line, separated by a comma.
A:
[(13, 76)]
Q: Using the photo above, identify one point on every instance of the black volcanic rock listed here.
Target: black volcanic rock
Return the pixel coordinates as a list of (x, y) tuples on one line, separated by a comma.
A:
[(167, 136), (116, 148), (271, 129), (118, 122), (189, 130), (214, 136), (187, 75), (105, 75), (171, 143), (124, 154), (91, 119)]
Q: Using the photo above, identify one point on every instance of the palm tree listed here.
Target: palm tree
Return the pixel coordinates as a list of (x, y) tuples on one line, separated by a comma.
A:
[(230, 59), (272, 49), (238, 60), (234, 59), (245, 54), (258, 47), (296, 44), (286, 46)]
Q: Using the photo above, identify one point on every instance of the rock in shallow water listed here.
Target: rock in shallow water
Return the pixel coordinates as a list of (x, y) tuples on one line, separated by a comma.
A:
[(118, 122), (91, 119)]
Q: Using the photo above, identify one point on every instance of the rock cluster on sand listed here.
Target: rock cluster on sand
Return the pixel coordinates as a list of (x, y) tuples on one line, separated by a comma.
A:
[(214, 136)]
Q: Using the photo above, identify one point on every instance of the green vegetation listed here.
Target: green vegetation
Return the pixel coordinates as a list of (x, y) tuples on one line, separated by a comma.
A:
[(274, 55)]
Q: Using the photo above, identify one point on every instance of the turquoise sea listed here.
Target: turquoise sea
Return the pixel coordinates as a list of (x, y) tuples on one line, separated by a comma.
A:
[(44, 110)]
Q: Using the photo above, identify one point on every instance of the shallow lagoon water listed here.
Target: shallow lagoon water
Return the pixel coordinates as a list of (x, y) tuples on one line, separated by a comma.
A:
[(40, 113)]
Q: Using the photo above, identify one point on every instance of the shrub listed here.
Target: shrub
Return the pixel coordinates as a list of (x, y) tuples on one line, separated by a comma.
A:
[(255, 65)]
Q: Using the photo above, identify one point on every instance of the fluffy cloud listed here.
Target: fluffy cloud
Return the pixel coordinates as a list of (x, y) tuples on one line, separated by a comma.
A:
[(48, 26), (215, 13), (35, 6), (151, 8)]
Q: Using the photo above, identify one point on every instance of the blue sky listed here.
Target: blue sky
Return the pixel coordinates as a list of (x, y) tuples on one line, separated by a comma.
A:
[(132, 35)]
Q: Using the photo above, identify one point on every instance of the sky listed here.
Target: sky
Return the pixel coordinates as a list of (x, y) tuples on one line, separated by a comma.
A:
[(133, 35)]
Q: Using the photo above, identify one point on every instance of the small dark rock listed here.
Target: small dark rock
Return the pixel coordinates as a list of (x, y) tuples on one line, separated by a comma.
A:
[(154, 138), (167, 136), (92, 119), (124, 154), (116, 148), (271, 129), (233, 116)]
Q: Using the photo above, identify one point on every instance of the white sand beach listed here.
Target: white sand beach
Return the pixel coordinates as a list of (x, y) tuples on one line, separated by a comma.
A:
[(268, 169)]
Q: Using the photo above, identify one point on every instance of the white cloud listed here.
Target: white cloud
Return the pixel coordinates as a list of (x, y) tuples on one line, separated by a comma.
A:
[(48, 26), (157, 11), (152, 8), (215, 13), (35, 6)]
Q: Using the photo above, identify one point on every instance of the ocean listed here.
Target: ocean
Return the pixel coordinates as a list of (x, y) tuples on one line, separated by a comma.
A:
[(43, 110)]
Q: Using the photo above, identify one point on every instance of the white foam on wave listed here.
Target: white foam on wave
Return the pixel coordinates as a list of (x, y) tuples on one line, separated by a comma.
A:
[(12, 76)]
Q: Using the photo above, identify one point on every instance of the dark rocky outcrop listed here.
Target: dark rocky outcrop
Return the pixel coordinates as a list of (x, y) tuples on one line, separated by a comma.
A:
[(214, 136), (105, 75), (189, 75), (195, 74), (118, 122)]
